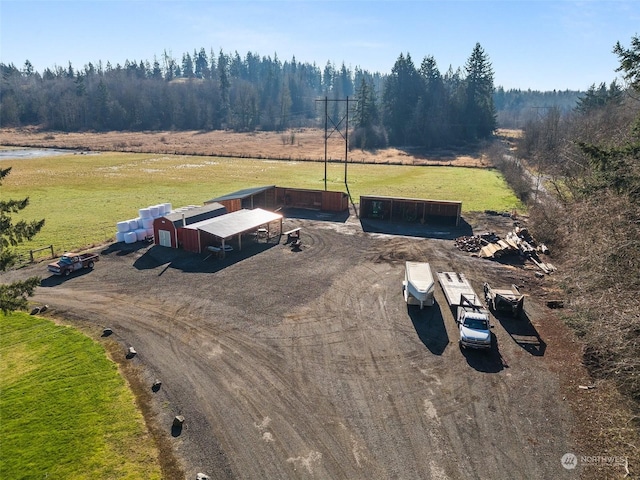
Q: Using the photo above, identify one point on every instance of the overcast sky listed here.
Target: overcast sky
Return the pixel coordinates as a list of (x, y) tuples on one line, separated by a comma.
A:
[(538, 45)]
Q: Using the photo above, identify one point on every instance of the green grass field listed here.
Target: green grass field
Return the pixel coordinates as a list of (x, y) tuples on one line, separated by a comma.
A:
[(65, 410), (82, 197)]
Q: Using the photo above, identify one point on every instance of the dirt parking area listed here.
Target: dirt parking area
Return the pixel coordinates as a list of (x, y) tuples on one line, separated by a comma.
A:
[(308, 364)]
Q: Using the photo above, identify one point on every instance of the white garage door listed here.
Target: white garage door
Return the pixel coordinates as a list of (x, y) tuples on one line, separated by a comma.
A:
[(164, 238)]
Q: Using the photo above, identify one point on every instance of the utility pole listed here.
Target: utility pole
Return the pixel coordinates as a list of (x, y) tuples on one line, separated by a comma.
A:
[(335, 128), (346, 141), (540, 116), (326, 118)]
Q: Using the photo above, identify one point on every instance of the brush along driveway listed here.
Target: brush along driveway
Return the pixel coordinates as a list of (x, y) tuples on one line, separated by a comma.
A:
[(308, 364)]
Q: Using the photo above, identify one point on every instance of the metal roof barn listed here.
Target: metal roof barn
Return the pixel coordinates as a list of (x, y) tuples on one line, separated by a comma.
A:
[(250, 198), (168, 229)]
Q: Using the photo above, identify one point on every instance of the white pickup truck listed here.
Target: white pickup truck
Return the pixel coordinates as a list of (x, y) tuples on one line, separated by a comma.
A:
[(471, 317)]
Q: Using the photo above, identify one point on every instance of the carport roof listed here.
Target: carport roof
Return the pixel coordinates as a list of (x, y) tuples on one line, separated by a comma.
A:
[(247, 192), (408, 199), (209, 210), (234, 223)]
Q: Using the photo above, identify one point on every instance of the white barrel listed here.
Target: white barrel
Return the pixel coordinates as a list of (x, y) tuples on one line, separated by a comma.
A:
[(130, 237), (155, 211), (120, 236), (141, 233), (147, 223), (133, 224), (149, 232), (162, 209), (122, 227), (144, 213), (167, 208)]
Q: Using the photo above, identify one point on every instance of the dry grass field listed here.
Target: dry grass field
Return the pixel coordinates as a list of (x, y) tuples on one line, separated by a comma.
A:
[(299, 144)]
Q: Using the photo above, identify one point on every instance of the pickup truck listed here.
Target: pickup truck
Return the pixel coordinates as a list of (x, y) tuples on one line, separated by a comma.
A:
[(70, 262), (473, 324), (472, 319)]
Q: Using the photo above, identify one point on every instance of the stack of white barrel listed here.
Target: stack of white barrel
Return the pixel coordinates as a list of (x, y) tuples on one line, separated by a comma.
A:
[(140, 228)]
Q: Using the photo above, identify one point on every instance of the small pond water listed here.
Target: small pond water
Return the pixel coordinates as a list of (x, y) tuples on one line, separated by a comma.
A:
[(21, 153)]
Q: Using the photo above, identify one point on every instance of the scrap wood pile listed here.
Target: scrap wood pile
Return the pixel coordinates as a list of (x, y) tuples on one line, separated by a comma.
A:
[(518, 241), (475, 243)]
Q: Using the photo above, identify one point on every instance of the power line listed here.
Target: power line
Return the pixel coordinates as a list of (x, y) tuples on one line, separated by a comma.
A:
[(335, 128)]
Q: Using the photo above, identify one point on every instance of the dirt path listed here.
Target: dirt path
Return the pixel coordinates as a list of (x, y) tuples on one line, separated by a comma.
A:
[(309, 364)]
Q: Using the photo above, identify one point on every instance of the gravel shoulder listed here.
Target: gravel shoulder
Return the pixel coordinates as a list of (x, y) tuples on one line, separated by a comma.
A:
[(309, 364)]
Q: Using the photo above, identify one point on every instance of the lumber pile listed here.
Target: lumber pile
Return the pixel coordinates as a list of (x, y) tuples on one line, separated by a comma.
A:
[(518, 241), (473, 244)]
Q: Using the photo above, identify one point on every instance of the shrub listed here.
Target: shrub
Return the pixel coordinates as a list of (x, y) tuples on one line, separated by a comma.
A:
[(368, 138)]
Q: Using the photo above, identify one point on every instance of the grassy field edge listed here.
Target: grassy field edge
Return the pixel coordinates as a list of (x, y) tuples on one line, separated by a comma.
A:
[(82, 197), (67, 411)]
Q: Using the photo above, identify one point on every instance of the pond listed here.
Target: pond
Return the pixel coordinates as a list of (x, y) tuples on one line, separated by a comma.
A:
[(24, 153)]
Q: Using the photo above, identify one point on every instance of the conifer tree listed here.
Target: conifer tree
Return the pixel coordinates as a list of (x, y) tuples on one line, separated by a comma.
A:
[(401, 94), (599, 97), (13, 296), (368, 132), (629, 62), (479, 110)]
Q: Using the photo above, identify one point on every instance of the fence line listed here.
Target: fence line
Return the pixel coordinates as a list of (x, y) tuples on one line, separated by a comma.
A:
[(36, 250)]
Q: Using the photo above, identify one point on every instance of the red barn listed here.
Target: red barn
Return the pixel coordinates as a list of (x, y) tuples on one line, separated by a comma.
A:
[(168, 230)]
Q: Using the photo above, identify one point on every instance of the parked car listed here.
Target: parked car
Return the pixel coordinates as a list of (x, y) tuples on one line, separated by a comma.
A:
[(70, 262)]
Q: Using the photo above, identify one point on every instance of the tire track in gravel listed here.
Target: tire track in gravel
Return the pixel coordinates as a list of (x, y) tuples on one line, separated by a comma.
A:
[(309, 365)]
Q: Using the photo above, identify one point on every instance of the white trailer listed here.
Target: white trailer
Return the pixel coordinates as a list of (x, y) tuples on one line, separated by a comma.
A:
[(418, 284), (472, 318), (458, 290)]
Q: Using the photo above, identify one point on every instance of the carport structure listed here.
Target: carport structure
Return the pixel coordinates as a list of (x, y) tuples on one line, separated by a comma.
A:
[(410, 210), (249, 198), (217, 231), (272, 197)]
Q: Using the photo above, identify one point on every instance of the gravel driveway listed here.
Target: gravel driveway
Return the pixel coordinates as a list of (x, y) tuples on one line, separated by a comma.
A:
[(308, 364)]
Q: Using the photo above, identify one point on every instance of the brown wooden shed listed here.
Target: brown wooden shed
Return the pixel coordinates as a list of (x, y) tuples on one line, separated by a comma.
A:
[(249, 198), (327, 201), (410, 210), (272, 197)]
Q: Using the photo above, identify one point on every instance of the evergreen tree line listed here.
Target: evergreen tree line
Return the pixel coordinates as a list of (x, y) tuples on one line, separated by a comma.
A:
[(410, 106)]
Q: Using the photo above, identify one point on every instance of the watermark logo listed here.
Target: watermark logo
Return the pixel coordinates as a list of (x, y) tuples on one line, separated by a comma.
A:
[(569, 461)]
